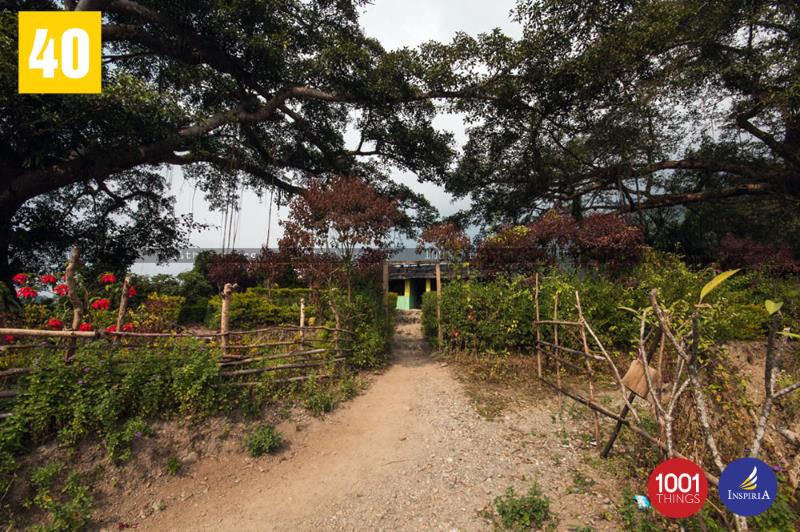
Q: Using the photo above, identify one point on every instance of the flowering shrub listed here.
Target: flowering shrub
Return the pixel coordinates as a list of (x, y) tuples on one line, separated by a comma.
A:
[(55, 324), (127, 327), (10, 339), (26, 292), (61, 290), (20, 279), (101, 304), (108, 278), (132, 291), (85, 327), (111, 328), (48, 279)]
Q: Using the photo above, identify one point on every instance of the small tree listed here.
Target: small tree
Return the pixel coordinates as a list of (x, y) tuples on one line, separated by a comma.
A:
[(269, 266), (338, 216), (446, 240)]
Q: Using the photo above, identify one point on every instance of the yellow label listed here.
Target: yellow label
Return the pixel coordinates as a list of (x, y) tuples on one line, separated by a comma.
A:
[(60, 52)]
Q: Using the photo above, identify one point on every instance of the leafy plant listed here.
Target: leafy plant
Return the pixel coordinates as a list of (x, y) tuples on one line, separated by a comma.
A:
[(174, 465), (265, 440), (70, 506), (527, 512)]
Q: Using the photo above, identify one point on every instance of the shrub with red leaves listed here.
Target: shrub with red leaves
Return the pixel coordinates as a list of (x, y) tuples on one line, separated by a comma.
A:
[(20, 279), (512, 250), (132, 291), (446, 241), (108, 278), (605, 240), (111, 328), (55, 324), (85, 327), (128, 327), (269, 266), (229, 268), (609, 240), (101, 304), (734, 252)]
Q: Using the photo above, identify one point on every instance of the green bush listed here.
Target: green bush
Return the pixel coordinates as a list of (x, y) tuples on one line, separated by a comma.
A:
[(70, 507), (108, 397), (527, 512), (265, 440), (496, 316), (157, 313), (252, 309)]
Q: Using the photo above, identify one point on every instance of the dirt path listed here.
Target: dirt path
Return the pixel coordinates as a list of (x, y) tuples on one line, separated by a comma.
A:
[(411, 453)]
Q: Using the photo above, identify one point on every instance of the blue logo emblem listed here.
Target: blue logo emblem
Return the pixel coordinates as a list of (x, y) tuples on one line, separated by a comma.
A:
[(748, 487), (642, 502)]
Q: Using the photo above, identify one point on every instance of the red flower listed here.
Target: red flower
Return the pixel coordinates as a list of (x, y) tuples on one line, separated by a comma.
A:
[(128, 327), (132, 291), (48, 279), (111, 328), (61, 290), (456, 333), (20, 278), (108, 278), (53, 323), (26, 292), (101, 304), (85, 327), (10, 339)]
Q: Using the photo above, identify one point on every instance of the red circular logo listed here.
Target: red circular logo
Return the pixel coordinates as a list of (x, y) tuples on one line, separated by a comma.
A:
[(677, 488)]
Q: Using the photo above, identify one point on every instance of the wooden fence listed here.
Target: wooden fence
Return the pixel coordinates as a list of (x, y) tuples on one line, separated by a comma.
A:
[(291, 352)]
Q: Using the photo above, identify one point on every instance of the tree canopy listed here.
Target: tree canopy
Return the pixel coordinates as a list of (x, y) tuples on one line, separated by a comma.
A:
[(630, 106), (257, 93)]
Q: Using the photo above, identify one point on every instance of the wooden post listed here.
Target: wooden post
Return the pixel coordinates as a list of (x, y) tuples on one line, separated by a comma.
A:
[(225, 318), (556, 353), (589, 369), (123, 305), (439, 332), (536, 328), (386, 291), (620, 421), (74, 298), (302, 313), (336, 332)]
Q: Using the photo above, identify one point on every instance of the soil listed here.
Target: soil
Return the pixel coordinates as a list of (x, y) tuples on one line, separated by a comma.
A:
[(420, 449)]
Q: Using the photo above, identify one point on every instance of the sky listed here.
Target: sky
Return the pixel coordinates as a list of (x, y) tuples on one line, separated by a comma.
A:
[(396, 23)]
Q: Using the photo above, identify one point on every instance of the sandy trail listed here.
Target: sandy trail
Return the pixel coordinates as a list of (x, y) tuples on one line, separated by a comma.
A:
[(411, 453)]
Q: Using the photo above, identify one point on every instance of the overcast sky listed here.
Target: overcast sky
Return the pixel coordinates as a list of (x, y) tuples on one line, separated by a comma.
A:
[(396, 23)]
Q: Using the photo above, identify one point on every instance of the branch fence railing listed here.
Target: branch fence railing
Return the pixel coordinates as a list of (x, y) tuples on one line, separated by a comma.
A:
[(292, 353), (575, 346)]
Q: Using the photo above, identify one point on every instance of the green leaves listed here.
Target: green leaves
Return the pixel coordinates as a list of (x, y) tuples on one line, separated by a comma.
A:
[(715, 282), (772, 306)]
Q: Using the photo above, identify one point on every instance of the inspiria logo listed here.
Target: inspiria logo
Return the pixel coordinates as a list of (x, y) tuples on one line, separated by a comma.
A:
[(748, 487)]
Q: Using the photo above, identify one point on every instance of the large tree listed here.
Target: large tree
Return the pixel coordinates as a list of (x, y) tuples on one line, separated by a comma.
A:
[(629, 105), (257, 93)]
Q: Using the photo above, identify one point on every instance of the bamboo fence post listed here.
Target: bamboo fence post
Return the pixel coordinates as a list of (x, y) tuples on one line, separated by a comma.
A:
[(588, 365), (555, 352), (386, 291), (336, 332), (75, 300), (439, 332), (123, 305), (536, 327), (225, 318), (302, 319)]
